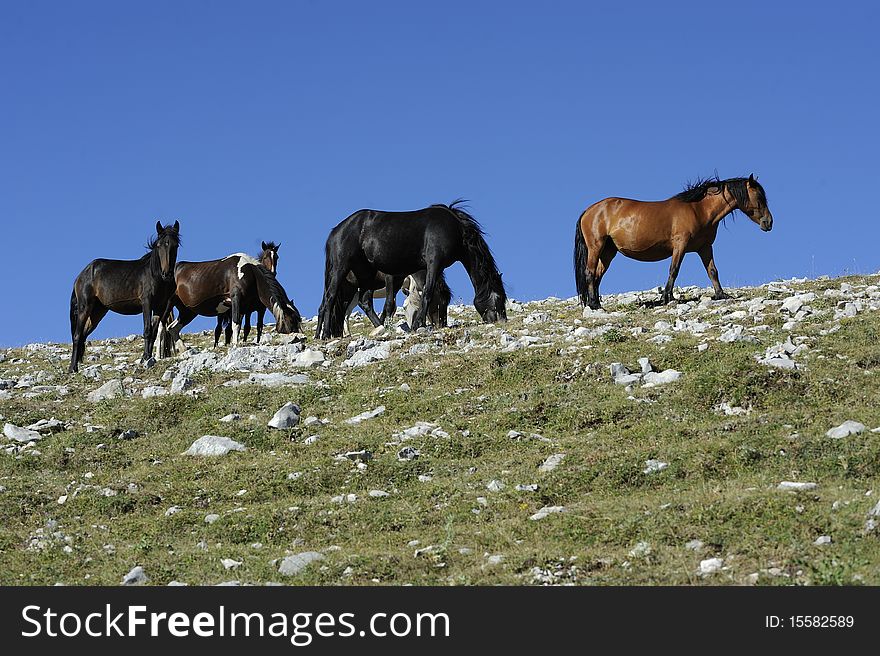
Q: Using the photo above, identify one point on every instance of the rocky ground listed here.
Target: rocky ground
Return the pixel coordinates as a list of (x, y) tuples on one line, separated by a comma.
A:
[(721, 442)]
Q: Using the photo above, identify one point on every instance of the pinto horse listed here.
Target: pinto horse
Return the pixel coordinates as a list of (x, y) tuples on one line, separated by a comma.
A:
[(412, 286), (268, 257), (233, 284), (400, 244), (652, 231), (125, 286)]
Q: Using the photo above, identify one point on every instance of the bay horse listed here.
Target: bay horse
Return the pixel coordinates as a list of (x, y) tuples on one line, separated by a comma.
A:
[(232, 284), (412, 286), (400, 244), (268, 257), (650, 231), (129, 287)]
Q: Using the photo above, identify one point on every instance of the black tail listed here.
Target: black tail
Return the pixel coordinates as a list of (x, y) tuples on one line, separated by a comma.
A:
[(73, 313), (580, 263), (444, 293)]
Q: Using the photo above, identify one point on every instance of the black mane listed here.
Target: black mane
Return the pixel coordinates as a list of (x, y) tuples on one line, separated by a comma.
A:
[(738, 188)]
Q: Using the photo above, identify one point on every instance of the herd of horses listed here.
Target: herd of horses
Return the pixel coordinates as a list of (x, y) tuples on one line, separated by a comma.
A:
[(374, 252)]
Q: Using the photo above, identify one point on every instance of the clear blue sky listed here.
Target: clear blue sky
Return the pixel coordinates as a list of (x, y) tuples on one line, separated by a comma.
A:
[(274, 120)]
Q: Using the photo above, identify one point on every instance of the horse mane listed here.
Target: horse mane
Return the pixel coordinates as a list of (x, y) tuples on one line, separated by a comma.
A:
[(277, 295), (738, 187), (482, 259)]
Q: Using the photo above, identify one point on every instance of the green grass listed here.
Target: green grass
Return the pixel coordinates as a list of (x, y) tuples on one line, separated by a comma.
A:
[(719, 487)]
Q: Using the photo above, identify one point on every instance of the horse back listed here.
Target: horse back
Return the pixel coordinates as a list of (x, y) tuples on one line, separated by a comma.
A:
[(116, 284)]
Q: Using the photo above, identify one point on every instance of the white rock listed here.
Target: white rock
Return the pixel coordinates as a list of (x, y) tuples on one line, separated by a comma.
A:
[(110, 390), (495, 486), (378, 494), (366, 356), (210, 518), (641, 550), (135, 576), (552, 462), (181, 383), (173, 510), (653, 466), (369, 414), (796, 486), (287, 416), (21, 435), (710, 566), (847, 428), (229, 563), (213, 445), (293, 565), (545, 511), (408, 453), (694, 545), (309, 358), (152, 391), (822, 540), (233, 416), (661, 378)]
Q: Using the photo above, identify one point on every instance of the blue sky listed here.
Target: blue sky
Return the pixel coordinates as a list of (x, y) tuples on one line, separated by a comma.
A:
[(275, 120)]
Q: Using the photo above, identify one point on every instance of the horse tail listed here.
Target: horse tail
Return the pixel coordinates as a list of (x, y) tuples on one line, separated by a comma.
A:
[(479, 253), (580, 262), (73, 312), (444, 293)]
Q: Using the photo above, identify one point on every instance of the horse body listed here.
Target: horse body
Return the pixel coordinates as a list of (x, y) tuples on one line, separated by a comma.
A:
[(231, 285), (399, 244), (268, 257), (650, 231), (127, 287)]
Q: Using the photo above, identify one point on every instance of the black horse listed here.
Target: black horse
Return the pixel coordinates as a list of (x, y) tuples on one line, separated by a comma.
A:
[(127, 287), (400, 244)]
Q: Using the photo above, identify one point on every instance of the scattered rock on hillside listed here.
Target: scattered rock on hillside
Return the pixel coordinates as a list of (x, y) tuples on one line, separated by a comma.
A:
[(135, 576), (847, 428), (293, 565), (21, 435), (213, 445), (796, 486), (110, 390), (552, 462), (287, 416), (369, 414)]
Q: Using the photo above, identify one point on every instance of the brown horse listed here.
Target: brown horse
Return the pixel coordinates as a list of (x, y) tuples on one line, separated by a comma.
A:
[(232, 284), (268, 257), (652, 231)]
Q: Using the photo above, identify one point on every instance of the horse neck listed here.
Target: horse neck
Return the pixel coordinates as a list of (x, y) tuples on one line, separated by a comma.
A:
[(264, 291), (482, 279), (715, 207)]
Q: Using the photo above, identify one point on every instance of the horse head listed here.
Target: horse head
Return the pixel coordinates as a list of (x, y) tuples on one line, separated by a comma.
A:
[(287, 318), (269, 256), (492, 308), (165, 245), (755, 205)]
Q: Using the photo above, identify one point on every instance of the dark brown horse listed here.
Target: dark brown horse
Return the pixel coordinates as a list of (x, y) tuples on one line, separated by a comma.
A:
[(232, 284), (268, 257), (651, 231), (125, 286)]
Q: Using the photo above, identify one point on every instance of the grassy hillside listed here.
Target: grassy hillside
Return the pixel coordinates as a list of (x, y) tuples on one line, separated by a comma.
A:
[(86, 504)]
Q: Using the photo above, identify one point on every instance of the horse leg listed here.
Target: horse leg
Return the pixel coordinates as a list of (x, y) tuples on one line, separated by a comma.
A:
[(677, 256), (184, 316), (365, 296), (261, 315), (593, 253), (77, 337), (149, 332), (236, 319), (605, 257), (218, 330), (247, 326), (427, 295), (709, 262), (352, 304), (391, 288)]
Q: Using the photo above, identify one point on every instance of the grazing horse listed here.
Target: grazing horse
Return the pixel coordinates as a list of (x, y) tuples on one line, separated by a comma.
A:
[(125, 286), (233, 284), (652, 231), (412, 286), (268, 257), (400, 244)]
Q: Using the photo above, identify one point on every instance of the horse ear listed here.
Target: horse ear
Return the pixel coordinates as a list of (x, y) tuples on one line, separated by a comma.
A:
[(264, 246), (158, 227), (278, 246), (177, 226), (752, 179)]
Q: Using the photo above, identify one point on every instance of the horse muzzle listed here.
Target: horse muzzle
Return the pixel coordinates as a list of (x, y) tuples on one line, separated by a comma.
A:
[(767, 223)]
